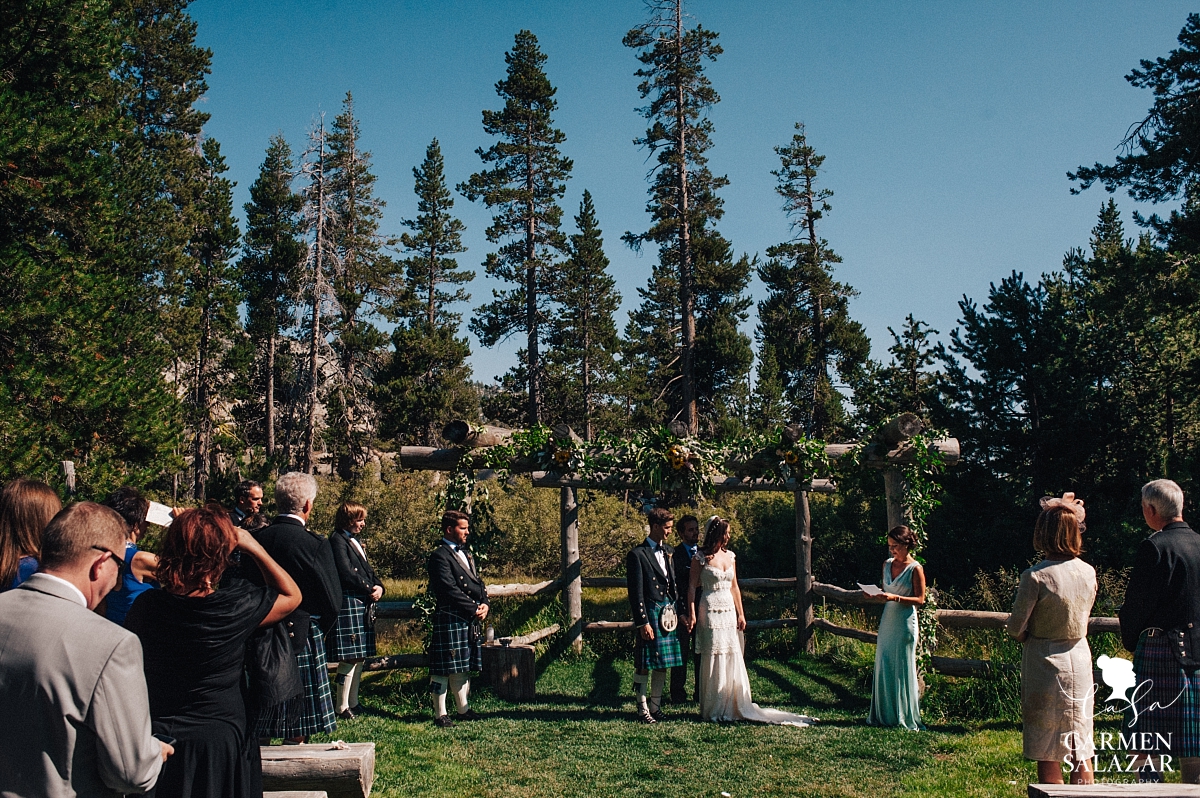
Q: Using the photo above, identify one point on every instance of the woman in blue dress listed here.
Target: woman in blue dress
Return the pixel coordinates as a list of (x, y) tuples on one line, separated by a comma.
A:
[(894, 694), (138, 575)]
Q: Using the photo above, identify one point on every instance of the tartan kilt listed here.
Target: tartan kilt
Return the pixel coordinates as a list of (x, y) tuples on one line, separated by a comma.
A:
[(353, 637), (661, 652), (453, 648), (311, 712), (1177, 693)]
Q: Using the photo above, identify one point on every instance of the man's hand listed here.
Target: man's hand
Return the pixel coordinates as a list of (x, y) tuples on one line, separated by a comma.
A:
[(647, 632), (167, 750), (482, 612), (377, 593), (690, 622)]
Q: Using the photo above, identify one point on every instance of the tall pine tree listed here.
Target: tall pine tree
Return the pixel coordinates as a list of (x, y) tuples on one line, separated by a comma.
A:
[(804, 322), (273, 251), (523, 187), (683, 197), (583, 334), (363, 280), (427, 380)]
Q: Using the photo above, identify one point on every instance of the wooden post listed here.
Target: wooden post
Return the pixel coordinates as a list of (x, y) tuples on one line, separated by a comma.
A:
[(68, 469), (898, 510), (804, 609), (572, 595)]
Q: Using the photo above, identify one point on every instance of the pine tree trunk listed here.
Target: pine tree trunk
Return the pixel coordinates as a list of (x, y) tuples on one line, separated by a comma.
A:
[(310, 430), (271, 393), (686, 295), (200, 459), (531, 319)]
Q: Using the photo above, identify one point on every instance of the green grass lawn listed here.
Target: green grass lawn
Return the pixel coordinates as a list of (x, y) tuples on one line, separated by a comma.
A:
[(579, 738)]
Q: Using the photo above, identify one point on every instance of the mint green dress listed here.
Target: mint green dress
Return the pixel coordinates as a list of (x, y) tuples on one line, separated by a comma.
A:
[(894, 693)]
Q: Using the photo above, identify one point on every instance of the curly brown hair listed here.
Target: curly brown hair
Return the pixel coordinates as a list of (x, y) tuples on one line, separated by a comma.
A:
[(195, 550), (904, 536)]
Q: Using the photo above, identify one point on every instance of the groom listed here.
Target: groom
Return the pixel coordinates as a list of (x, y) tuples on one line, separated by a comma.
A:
[(652, 589)]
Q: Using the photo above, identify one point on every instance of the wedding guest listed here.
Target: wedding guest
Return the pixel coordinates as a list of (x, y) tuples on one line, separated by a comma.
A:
[(353, 639), (455, 649), (247, 501), (681, 561), (138, 574), (653, 595), (74, 717), (1160, 624), (194, 642), (1050, 617), (26, 506), (307, 559), (894, 691)]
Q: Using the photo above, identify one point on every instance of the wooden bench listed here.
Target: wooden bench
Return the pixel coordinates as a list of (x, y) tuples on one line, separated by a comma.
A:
[(319, 769), (1114, 790)]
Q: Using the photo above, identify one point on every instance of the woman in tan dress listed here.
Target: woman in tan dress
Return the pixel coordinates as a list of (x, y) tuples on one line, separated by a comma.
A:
[(1050, 617)]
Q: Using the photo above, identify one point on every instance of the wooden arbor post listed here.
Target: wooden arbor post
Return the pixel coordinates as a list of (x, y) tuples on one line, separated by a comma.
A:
[(804, 576), (572, 576)]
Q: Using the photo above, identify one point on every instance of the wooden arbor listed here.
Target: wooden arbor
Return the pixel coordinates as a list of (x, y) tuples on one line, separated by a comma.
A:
[(889, 453)]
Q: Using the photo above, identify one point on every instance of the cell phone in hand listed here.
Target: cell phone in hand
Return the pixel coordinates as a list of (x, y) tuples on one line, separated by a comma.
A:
[(165, 738)]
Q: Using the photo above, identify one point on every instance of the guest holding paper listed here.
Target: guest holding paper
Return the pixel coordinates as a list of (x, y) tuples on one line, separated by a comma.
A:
[(894, 693), (138, 574), (1050, 617)]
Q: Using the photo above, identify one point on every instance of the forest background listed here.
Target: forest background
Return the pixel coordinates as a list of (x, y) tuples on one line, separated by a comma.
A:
[(155, 338)]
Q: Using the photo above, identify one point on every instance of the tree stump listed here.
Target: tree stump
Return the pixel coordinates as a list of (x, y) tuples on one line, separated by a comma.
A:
[(511, 671), (342, 773)]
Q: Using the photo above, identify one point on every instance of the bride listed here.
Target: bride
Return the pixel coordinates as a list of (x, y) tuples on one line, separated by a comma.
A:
[(719, 623)]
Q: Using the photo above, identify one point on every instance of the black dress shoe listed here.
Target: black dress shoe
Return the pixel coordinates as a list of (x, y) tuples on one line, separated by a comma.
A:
[(346, 714), (443, 722), (470, 714)]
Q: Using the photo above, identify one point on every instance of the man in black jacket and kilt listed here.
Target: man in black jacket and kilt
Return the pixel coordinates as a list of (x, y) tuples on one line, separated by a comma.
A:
[(456, 648), (652, 598), (1160, 624)]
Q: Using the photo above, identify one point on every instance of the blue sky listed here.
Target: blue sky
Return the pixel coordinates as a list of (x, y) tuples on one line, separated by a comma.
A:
[(948, 127)]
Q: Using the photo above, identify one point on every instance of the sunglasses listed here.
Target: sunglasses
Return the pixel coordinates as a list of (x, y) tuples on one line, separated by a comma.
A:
[(118, 559)]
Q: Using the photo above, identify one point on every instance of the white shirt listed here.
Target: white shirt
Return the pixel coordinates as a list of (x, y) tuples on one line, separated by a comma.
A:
[(462, 555), (658, 554), (78, 593), (299, 518)]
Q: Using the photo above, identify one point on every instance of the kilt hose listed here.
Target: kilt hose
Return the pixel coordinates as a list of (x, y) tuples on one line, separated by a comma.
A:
[(353, 638), (1177, 693), (454, 646), (661, 652), (311, 712)]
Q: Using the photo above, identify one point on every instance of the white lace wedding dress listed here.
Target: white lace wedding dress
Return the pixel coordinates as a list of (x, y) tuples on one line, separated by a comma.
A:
[(724, 683)]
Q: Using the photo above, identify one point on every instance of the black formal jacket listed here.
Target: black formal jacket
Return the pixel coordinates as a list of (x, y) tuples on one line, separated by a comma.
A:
[(1164, 588), (681, 561), (356, 574), (647, 583), (308, 559), (457, 589)]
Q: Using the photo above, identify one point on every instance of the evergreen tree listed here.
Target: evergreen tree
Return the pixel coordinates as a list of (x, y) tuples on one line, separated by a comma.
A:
[(651, 378), (318, 221), (805, 317), (269, 271), (427, 381), (906, 385), (683, 197), (81, 365), (583, 334), (523, 188), (363, 280), (723, 352), (211, 299)]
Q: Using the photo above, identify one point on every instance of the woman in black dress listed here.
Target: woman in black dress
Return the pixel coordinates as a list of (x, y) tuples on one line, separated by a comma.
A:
[(194, 646), (353, 639)]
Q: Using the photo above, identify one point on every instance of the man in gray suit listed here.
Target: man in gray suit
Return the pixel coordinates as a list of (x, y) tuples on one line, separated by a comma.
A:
[(74, 715)]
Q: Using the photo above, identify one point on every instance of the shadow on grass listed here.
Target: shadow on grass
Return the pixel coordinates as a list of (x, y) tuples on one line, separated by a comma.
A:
[(844, 698), (606, 682)]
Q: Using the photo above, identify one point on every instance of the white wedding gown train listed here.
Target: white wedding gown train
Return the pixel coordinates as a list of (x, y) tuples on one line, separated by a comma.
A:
[(724, 682)]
